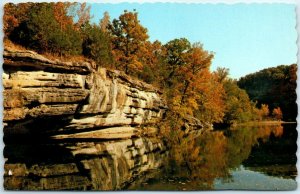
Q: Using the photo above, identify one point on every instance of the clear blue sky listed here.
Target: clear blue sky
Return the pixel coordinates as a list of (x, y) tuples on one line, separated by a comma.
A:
[(245, 38)]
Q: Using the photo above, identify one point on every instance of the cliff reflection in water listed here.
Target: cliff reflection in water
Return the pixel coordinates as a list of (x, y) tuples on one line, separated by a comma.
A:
[(213, 160), (267, 149)]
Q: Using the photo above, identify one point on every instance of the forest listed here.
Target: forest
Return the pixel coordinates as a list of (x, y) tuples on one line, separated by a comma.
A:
[(275, 86), (179, 68)]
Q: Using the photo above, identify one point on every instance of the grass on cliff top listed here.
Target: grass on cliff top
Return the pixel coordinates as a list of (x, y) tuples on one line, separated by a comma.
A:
[(74, 58)]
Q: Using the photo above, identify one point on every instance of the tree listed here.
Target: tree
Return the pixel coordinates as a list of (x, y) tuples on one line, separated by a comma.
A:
[(194, 91), (61, 14), (151, 56), (81, 12), (65, 22), (276, 113), (40, 27), (175, 55), (238, 105), (42, 32), (128, 38), (96, 45), (264, 111), (194, 72), (105, 22), (221, 74), (212, 104), (275, 86), (176, 50), (14, 15)]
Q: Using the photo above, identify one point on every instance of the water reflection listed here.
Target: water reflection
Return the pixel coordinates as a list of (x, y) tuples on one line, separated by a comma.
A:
[(217, 155)]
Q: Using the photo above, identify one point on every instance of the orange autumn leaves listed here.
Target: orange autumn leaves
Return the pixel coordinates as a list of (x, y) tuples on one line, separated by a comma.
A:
[(128, 39), (13, 16), (195, 88), (180, 69), (277, 113)]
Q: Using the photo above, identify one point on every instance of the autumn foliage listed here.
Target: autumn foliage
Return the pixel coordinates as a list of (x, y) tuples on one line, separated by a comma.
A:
[(275, 86), (179, 68), (277, 113), (128, 39)]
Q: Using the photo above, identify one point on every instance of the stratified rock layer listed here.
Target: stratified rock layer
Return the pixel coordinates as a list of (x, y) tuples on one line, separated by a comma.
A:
[(36, 88), (68, 126)]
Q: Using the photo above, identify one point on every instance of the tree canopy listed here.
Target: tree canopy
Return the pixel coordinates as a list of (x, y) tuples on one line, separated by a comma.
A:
[(274, 86), (128, 39), (181, 69)]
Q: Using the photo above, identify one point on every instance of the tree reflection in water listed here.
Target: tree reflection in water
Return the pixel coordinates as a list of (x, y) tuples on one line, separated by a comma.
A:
[(213, 154)]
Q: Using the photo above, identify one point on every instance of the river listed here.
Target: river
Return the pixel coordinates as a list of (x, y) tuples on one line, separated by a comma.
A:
[(248, 157), (254, 157)]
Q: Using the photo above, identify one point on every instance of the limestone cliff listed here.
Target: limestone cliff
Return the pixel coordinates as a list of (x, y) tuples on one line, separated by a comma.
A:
[(78, 98), (69, 126)]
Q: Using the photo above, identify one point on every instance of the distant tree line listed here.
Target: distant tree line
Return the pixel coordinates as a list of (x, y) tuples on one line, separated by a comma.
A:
[(276, 87)]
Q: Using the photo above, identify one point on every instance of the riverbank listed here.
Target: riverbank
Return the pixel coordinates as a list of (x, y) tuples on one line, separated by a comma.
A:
[(264, 123)]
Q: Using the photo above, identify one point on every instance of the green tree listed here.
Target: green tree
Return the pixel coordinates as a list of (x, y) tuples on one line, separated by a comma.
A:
[(96, 45), (238, 105), (41, 31), (176, 51)]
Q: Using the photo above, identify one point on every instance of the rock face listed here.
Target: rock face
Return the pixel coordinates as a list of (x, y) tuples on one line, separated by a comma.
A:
[(98, 126), (78, 97)]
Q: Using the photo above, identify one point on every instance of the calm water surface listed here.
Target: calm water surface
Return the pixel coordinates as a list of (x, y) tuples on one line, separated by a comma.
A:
[(257, 157)]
